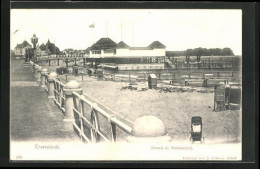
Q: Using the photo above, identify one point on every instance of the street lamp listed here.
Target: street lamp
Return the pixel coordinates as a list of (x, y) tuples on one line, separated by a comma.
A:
[(34, 41)]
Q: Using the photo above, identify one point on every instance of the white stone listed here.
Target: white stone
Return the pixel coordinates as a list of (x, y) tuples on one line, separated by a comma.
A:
[(72, 85), (148, 126), (39, 68), (44, 70), (53, 74)]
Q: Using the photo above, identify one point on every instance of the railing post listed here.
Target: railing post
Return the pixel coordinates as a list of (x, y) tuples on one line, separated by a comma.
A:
[(209, 63), (113, 131), (51, 77), (82, 74), (67, 61), (31, 66), (232, 63), (35, 71), (148, 129), (43, 73), (39, 70), (69, 88), (46, 82), (221, 63), (186, 83), (176, 61), (205, 82)]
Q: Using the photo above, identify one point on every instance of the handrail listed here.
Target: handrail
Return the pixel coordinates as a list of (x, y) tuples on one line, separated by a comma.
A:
[(93, 124), (174, 75), (170, 63), (59, 97), (105, 107), (60, 58), (96, 109)]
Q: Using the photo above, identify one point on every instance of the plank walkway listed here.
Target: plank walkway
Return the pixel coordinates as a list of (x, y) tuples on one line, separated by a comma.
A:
[(34, 117)]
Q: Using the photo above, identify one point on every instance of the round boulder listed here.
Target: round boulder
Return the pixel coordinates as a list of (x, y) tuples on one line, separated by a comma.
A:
[(148, 126), (44, 70), (39, 68), (53, 74), (72, 85)]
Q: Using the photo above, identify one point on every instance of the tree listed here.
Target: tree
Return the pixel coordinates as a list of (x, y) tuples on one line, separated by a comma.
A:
[(52, 48), (208, 52), (189, 52), (227, 51)]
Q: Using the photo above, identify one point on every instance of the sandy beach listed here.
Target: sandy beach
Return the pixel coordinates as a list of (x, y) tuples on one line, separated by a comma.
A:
[(174, 108)]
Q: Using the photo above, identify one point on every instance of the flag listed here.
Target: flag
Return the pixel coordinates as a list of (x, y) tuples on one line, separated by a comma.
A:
[(16, 31), (92, 25)]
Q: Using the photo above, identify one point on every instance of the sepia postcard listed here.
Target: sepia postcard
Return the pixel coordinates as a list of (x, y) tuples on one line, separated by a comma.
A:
[(126, 84)]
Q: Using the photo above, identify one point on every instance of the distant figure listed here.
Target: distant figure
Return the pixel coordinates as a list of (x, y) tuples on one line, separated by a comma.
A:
[(187, 59), (198, 59)]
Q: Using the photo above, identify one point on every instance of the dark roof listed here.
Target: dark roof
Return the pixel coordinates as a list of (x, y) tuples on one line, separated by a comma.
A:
[(22, 45), (69, 49), (87, 50), (18, 46), (121, 45), (156, 44), (42, 47), (103, 43), (25, 43)]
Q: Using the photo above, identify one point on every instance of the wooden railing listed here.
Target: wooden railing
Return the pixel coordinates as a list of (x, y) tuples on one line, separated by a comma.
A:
[(59, 96), (95, 124)]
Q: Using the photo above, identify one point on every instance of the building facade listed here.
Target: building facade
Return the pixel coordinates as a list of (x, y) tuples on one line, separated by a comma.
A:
[(105, 47), (42, 50), (20, 49), (125, 57)]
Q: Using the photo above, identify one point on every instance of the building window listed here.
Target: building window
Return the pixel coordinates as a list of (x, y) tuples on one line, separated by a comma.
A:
[(114, 51), (97, 52)]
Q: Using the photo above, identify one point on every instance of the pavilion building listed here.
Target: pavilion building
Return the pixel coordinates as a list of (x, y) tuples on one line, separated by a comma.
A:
[(123, 57)]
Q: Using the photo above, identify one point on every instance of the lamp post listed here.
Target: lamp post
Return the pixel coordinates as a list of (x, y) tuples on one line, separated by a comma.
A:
[(34, 41)]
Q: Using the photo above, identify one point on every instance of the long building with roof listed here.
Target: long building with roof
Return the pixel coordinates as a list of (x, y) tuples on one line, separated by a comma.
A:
[(123, 56), (105, 47)]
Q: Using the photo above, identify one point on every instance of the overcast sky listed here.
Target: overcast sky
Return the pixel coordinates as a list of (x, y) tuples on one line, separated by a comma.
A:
[(176, 29)]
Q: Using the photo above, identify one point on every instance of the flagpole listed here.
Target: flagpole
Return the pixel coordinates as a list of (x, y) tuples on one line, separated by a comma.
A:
[(121, 31), (94, 34), (107, 29), (132, 36)]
